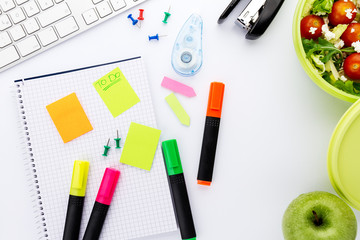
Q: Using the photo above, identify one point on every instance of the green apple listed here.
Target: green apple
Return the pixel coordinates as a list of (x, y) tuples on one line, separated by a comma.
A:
[(319, 216)]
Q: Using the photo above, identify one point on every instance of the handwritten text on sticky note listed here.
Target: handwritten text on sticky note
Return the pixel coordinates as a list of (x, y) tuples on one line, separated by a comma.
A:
[(116, 92)]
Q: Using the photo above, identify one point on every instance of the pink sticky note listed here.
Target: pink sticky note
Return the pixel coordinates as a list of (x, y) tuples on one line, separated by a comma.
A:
[(178, 87)]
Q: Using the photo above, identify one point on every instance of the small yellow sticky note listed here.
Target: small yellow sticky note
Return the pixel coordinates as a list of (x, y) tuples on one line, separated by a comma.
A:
[(178, 109), (116, 92), (69, 117), (140, 146)]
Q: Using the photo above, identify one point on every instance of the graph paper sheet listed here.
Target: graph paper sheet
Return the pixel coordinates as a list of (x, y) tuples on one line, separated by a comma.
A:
[(142, 204)]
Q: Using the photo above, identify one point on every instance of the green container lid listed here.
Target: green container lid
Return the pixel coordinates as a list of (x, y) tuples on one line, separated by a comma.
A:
[(308, 67), (344, 157)]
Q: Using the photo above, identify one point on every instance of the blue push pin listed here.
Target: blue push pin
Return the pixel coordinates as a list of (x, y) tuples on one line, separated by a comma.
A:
[(134, 21), (156, 37)]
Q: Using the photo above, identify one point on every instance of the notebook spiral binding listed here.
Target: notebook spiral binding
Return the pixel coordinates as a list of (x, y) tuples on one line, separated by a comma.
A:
[(31, 167)]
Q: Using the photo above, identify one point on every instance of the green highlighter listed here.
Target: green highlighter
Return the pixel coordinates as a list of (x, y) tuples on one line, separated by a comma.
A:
[(178, 189)]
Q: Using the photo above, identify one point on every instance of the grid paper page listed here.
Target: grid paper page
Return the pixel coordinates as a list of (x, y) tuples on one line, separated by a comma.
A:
[(142, 204)]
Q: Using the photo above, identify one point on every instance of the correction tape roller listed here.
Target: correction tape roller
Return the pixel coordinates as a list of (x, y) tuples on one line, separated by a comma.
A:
[(187, 56)]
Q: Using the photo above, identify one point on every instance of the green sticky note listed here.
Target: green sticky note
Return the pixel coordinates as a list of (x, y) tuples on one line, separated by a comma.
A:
[(116, 92), (140, 146), (178, 109)]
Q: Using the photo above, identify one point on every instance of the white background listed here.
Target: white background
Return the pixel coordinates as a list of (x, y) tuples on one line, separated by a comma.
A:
[(275, 127)]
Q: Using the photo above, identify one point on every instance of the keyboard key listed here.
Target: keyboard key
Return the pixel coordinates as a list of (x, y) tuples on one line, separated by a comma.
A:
[(4, 39), (31, 8), (66, 27), (17, 32), (47, 36), (118, 4), (4, 22), (7, 5), (103, 9), (96, 1), (8, 56), (17, 15), (29, 45), (54, 14), (31, 26), (90, 16), (19, 2), (45, 4)]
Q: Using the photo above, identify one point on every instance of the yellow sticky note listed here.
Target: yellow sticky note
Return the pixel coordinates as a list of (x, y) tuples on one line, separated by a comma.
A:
[(116, 92), (69, 117), (178, 109), (140, 146)]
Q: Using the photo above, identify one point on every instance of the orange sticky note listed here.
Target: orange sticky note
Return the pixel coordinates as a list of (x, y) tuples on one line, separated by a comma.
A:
[(69, 118)]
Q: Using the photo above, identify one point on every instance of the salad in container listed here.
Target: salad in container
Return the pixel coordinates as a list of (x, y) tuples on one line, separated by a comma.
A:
[(326, 37)]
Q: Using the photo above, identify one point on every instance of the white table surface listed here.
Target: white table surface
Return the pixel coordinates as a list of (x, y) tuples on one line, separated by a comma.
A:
[(275, 127)]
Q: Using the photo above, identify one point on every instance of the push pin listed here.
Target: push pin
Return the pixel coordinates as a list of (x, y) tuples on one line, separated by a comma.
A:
[(106, 149), (134, 21), (141, 15), (117, 140), (156, 37), (167, 15)]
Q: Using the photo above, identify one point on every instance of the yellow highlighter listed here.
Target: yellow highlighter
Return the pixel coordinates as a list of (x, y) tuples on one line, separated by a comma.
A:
[(76, 200)]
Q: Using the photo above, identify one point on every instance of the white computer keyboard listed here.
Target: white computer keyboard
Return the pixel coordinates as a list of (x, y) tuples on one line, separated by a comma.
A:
[(28, 27)]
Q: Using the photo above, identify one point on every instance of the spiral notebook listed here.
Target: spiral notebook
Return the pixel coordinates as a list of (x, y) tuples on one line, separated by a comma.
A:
[(142, 204)]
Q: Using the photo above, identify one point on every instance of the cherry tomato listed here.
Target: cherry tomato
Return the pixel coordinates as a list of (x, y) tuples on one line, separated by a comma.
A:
[(310, 27), (343, 12), (351, 34), (352, 66)]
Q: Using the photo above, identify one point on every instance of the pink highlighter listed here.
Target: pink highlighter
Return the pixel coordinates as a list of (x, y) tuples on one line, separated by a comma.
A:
[(102, 204)]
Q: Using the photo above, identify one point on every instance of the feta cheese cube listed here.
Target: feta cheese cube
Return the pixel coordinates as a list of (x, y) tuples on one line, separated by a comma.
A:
[(312, 30), (356, 46), (339, 44), (343, 78)]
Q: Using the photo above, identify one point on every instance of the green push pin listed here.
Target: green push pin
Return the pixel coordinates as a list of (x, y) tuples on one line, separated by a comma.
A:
[(167, 15), (117, 140), (106, 149)]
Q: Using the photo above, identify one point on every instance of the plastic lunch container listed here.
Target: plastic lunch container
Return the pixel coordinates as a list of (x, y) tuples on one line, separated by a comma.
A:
[(344, 149), (309, 69), (344, 157)]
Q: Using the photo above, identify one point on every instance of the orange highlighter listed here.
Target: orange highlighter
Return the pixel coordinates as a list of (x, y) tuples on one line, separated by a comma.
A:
[(211, 132)]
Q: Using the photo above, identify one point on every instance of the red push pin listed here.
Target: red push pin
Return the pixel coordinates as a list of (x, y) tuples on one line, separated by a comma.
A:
[(141, 14)]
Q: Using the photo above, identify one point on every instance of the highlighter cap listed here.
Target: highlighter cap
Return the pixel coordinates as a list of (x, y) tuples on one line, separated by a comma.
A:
[(79, 178), (172, 157), (215, 101), (108, 185)]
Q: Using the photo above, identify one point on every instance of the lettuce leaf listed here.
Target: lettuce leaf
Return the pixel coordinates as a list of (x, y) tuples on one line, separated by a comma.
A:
[(348, 86), (307, 7), (338, 31), (327, 77), (322, 7), (317, 63), (326, 49), (356, 86)]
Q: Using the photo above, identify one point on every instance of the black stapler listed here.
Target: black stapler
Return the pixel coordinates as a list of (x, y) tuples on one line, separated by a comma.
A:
[(256, 17)]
